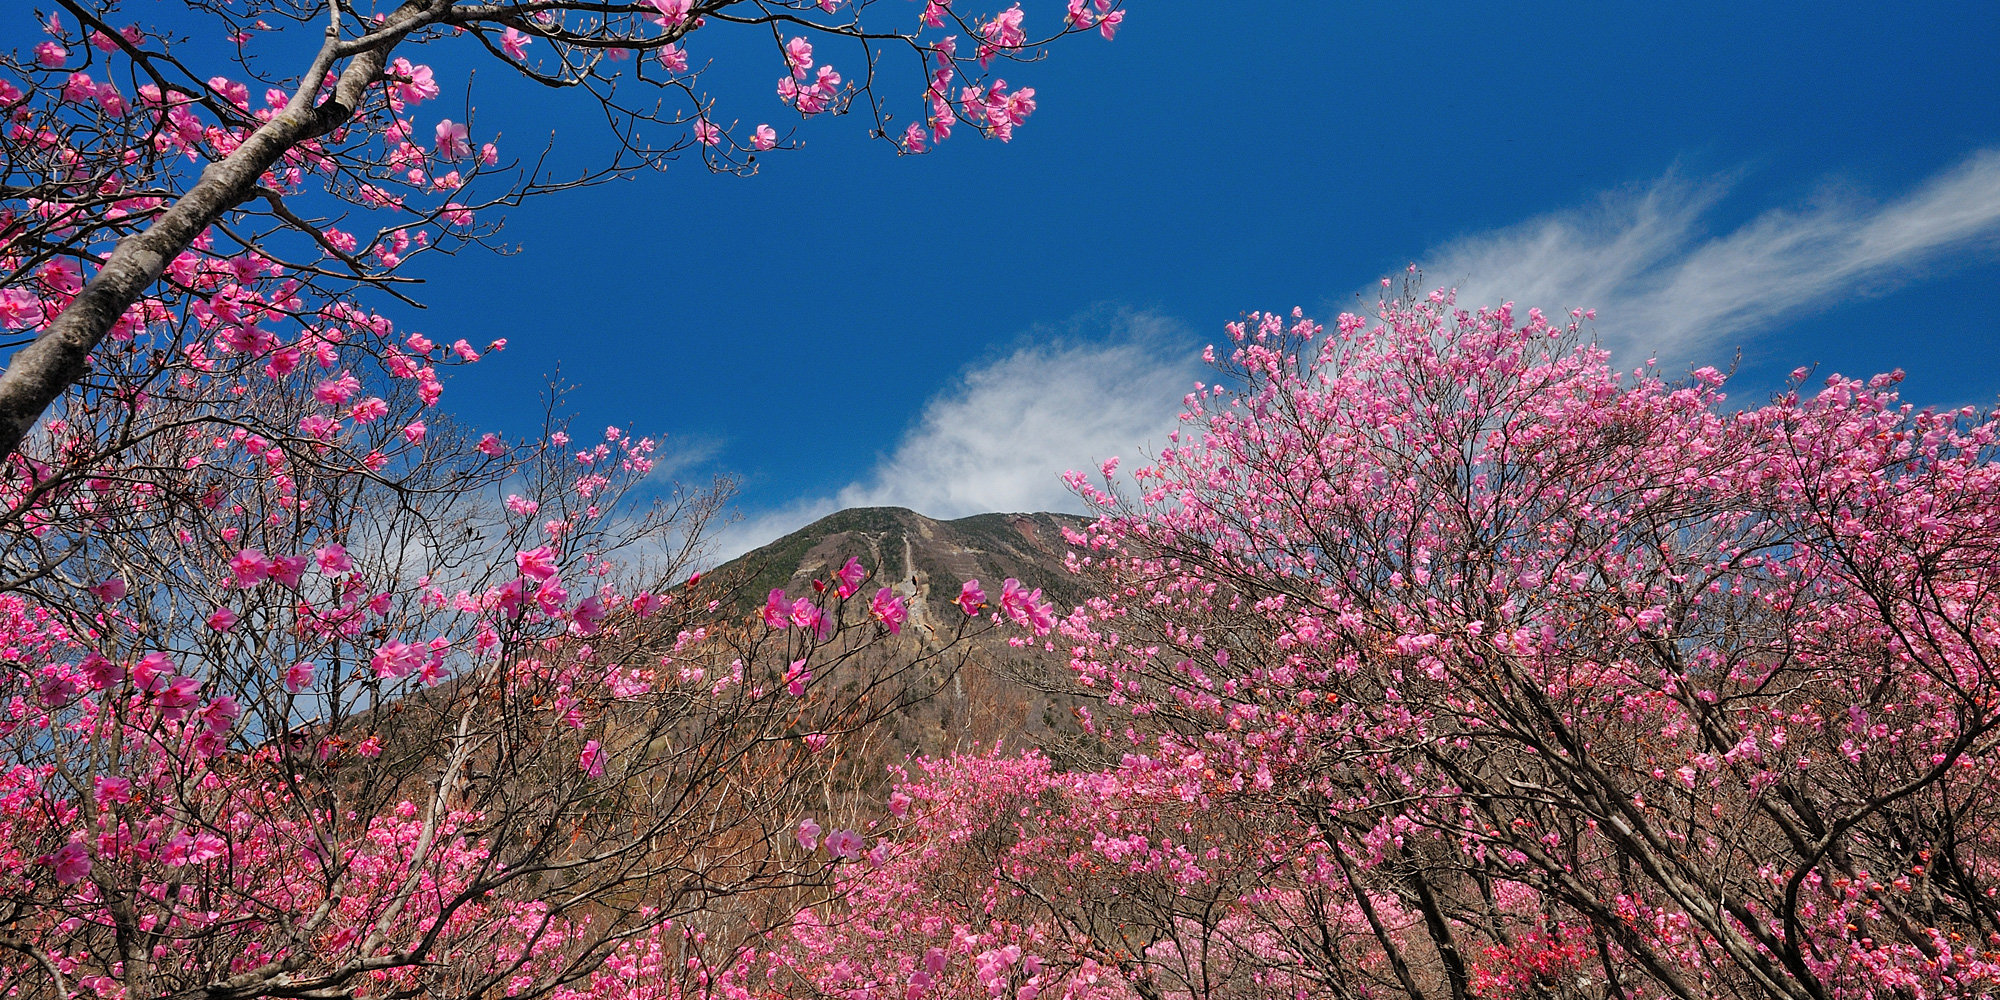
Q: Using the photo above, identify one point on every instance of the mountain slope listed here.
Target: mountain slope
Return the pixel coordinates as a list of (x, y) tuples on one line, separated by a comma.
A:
[(1002, 692)]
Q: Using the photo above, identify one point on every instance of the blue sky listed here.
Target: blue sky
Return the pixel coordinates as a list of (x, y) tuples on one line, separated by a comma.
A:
[(1803, 183)]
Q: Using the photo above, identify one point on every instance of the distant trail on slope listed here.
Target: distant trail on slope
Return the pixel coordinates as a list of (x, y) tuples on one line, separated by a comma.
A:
[(917, 593), (919, 601)]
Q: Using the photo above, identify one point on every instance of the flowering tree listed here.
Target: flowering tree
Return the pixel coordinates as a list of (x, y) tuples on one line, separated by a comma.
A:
[(1503, 674), (309, 691), (204, 209), (307, 736)]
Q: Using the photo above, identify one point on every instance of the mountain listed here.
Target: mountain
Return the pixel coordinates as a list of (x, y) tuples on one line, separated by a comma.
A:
[(997, 691)]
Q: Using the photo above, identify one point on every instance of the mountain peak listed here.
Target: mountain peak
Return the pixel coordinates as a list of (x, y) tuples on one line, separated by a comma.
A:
[(925, 559)]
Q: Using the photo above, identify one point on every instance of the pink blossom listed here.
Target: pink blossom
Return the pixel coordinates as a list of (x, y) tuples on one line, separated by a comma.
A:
[(298, 676), (113, 790), (673, 13), (706, 133), (491, 446), (588, 615), (777, 608), (1025, 607), (899, 803), (395, 658), (332, 559), (415, 82), (808, 834), (889, 610), (515, 43), (798, 57), (79, 89), (1041, 614), (221, 619), (509, 598), (71, 862), (807, 615), (20, 309), (50, 55), (850, 577), (673, 58), (970, 597), (338, 390), (764, 138), (288, 570), (250, 566), (151, 671), (1003, 32), (101, 671), (319, 427), (414, 431), (1012, 599), (232, 91), (220, 714), (646, 603), (453, 140), (178, 698), (57, 688), (844, 844), (538, 563), (368, 410), (591, 760), (108, 590), (110, 99)]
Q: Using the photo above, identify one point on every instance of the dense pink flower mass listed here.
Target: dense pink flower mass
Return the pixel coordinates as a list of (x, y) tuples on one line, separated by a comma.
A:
[(213, 768), (1445, 660), (279, 717)]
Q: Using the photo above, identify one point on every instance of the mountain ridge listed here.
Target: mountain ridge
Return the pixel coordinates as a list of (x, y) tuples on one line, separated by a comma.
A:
[(923, 558)]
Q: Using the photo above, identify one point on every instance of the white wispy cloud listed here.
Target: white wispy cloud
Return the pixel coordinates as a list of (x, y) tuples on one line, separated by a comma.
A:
[(1661, 283), (1000, 437)]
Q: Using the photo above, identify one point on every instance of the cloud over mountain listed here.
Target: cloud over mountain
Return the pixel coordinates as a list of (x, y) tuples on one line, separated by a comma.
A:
[(1000, 436)]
